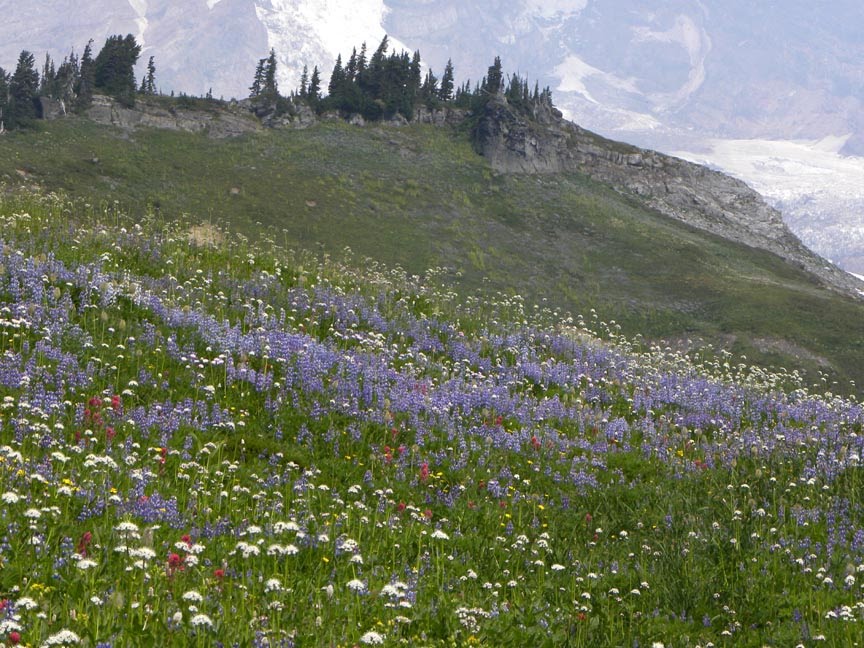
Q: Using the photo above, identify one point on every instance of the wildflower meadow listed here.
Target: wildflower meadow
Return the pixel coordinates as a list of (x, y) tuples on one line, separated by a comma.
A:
[(210, 442)]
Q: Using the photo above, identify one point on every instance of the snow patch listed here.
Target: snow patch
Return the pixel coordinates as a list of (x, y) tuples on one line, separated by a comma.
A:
[(212, 3), (573, 72)]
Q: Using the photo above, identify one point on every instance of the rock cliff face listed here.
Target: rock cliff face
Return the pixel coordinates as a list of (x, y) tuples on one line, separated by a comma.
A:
[(217, 123), (688, 192)]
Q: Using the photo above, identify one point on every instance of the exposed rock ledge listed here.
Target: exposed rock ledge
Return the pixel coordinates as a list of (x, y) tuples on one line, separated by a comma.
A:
[(688, 192), (219, 123)]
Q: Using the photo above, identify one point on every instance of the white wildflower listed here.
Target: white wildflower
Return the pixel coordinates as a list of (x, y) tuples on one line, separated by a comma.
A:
[(272, 585), (126, 527), (201, 620), (247, 549), (372, 638), (62, 638), (193, 596), (356, 585)]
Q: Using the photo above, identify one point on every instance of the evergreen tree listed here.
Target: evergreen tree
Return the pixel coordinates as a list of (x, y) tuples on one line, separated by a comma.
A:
[(361, 60), (148, 83), (337, 79), (66, 80), (313, 93), (258, 81), (114, 68), (494, 78), (513, 93), (340, 88), (370, 76), (416, 74), (445, 91), (23, 90), (47, 87), (429, 92), (270, 88), (304, 82), (351, 67), (4, 98), (463, 96), (86, 80)]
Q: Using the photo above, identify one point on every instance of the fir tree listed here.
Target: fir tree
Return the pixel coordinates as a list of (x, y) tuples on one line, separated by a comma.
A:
[(445, 91), (114, 68), (270, 88), (304, 82), (86, 80), (46, 86), (258, 81), (494, 78), (66, 80), (4, 98), (361, 58), (429, 92), (416, 73), (351, 67), (23, 90), (148, 83), (337, 78), (313, 93)]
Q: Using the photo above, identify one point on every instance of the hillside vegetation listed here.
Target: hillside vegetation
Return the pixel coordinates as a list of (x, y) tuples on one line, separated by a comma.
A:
[(208, 442), (419, 197)]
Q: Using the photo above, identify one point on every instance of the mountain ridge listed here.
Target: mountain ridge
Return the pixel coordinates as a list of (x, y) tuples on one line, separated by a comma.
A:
[(542, 143), (671, 78), (692, 193)]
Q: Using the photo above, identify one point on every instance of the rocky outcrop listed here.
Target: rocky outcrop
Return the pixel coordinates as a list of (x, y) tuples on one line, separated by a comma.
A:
[(219, 123), (693, 194), (49, 108), (444, 116)]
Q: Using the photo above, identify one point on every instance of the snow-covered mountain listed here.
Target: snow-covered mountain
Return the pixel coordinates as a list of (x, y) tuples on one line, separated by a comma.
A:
[(769, 91)]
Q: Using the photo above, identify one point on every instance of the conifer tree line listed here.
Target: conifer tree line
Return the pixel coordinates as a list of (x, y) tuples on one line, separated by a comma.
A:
[(384, 84), (73, 82), (377, 86)]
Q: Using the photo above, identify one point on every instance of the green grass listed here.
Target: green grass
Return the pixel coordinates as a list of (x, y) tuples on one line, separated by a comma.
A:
[(419, 197)]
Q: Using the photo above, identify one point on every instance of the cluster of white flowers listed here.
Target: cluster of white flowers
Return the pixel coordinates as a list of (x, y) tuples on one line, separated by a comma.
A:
[(273, 585), (282, 550), (201, 621), (247, 549), (62, 638), (372, 638), (356, 585)]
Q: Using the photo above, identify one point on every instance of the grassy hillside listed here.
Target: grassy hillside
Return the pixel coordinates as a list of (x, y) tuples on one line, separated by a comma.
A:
[(220, 444), (419, 197)]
